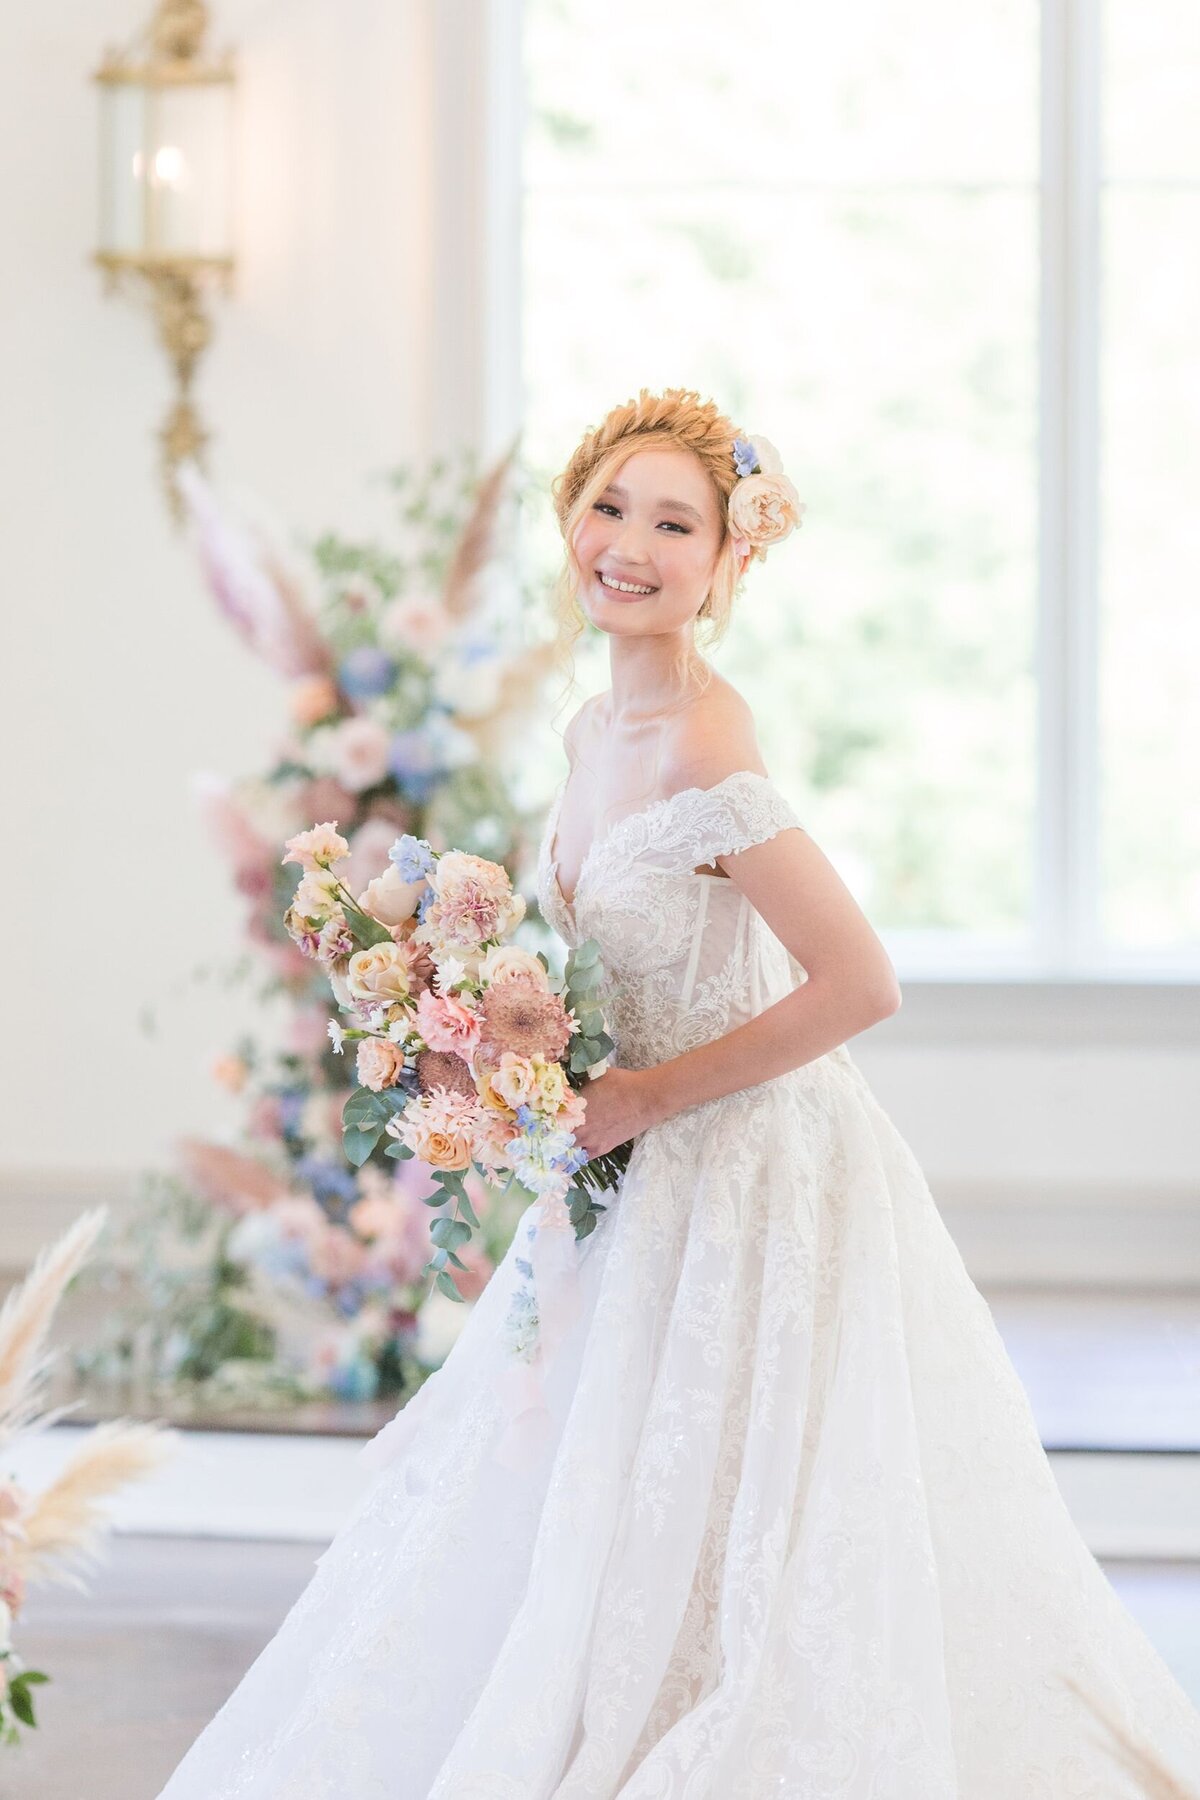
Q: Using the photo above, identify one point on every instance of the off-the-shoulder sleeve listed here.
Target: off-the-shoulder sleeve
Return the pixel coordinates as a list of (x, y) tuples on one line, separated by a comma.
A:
[(744, 809)]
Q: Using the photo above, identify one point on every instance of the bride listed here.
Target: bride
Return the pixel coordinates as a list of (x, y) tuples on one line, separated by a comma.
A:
[(769, 1514)]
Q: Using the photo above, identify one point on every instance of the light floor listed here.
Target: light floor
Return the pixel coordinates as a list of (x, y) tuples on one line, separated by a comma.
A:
[(170, 1625)]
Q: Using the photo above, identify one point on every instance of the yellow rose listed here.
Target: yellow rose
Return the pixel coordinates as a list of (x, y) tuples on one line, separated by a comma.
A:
[(549, 1086), (379, 972), (764, 509)]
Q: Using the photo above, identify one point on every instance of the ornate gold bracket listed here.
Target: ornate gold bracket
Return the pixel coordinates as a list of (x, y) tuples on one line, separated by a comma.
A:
[(176, 295), (168, 55)]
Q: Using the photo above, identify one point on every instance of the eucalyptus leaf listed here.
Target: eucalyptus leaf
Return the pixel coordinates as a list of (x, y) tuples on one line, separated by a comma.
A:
[(358, 1144), (446, 1283), (449, 1232), (361, 1108), (468, 1211), (368, 930)]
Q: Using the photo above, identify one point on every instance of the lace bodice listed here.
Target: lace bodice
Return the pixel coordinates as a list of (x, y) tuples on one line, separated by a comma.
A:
[(688, 956)]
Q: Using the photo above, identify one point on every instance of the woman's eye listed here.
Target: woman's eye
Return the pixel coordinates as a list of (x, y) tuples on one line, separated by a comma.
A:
[(606, 506)]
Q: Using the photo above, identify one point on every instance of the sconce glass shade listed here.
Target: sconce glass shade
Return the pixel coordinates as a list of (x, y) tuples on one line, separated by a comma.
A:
[(166, 164)]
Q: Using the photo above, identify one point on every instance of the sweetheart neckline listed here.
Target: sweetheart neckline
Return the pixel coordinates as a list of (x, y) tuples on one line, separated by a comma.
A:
[(602, 837)]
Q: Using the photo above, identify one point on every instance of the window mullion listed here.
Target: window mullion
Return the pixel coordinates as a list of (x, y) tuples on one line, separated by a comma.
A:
[(1067, 861)]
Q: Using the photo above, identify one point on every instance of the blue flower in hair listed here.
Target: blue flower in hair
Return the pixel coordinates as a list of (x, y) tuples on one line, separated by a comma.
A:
[(745, 456)]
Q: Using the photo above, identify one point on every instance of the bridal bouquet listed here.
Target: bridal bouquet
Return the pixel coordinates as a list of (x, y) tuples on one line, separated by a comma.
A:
[(469, 1055)]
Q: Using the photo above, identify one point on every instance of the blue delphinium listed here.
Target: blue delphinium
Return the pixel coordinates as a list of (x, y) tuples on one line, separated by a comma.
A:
[(412, 857), (328, 1180), (365, 672), (745, 456), (292, 1102)]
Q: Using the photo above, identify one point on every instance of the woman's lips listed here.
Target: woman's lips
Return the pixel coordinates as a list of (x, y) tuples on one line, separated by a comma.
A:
[(616, 594)]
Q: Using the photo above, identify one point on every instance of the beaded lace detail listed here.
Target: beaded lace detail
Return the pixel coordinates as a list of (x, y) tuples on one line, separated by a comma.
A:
[(793, 1533)]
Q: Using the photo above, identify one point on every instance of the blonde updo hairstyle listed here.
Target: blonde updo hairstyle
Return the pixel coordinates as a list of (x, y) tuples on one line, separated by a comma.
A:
[(676, 419)]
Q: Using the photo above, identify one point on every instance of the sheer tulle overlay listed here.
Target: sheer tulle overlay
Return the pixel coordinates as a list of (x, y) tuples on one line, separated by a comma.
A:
[(782, 1524)]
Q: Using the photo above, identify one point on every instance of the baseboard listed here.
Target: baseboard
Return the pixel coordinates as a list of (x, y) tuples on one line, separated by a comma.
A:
[(299, 1489), (1015, 1233)]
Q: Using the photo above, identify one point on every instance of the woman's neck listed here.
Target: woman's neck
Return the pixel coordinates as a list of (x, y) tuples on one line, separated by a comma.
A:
[(649, 675)]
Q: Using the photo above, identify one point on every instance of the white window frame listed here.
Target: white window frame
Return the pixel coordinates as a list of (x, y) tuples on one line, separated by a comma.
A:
[(1074, 988)]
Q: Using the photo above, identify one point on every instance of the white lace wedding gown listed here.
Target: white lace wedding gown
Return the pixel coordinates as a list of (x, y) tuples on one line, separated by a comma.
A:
[(782, 1526)]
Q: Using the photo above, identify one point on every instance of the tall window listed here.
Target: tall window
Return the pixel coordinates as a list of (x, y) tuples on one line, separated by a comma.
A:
[(834, 225)]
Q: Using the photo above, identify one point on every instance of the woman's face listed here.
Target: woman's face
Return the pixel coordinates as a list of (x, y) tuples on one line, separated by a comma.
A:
[(655, 528)]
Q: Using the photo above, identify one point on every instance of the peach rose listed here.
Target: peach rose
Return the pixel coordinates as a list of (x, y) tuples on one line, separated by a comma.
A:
[(230, 1072), (358, 753), (312, 699), (379, 1063), (458, 869), (503, 960), (414, 622), (391, 900), (444, 1149), (764, 509), (572, 1112), (380, 973), (336, 1256), (513, 1079), (486, 1089)]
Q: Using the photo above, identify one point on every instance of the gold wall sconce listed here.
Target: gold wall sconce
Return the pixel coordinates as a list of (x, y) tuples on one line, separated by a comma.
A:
[(166, 196)]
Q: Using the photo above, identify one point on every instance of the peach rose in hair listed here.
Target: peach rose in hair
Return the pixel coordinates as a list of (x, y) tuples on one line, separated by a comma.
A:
[(764, 509)]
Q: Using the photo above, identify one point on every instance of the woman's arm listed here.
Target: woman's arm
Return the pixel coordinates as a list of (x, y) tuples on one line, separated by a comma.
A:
[(851, 985)]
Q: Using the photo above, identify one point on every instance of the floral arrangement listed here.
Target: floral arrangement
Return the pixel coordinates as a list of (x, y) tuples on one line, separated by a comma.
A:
[(411, 665), (50, 1535), (468, 1053), (764, 507)]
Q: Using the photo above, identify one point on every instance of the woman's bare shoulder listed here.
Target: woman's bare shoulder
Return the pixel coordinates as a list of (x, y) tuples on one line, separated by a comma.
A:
[(711, 739)]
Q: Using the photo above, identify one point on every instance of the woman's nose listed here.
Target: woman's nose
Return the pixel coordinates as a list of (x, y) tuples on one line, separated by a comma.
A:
[(630, 541)]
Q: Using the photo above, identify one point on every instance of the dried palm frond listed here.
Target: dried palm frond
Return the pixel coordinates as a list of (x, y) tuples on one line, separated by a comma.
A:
[(253, 583), (64, 1524), (26, 1316), (476, 544), (229, 1178), (1156, 1781)]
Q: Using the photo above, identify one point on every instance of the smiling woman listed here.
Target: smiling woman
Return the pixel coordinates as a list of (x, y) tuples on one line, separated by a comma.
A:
[(772, 1511)]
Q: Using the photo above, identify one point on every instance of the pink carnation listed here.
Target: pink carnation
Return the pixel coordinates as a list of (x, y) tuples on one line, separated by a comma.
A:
[(446, 1024)]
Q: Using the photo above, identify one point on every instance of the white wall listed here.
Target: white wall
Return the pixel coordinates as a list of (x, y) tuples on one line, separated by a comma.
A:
[(1054, 1151), (118, 678)]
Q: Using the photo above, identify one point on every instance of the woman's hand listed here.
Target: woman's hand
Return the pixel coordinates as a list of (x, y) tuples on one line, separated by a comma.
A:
[(619, 1106)]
